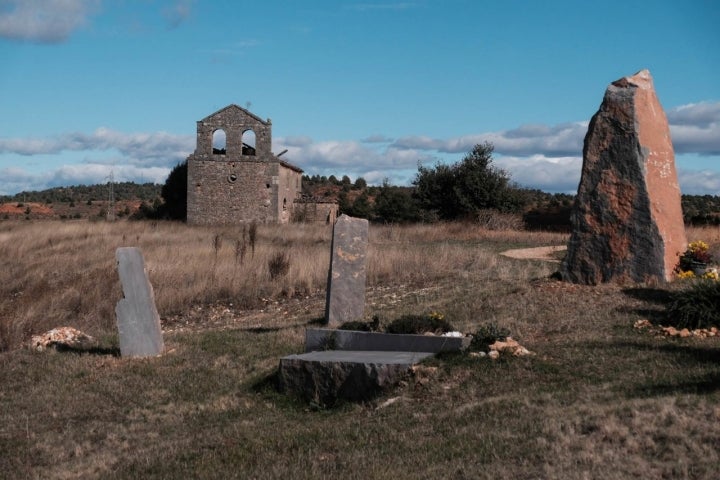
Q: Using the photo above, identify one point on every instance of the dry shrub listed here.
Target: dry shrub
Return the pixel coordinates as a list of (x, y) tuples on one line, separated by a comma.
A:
[(495, 220), (278, 265)]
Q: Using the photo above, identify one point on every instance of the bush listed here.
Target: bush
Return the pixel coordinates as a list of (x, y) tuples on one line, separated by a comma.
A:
[(418, 324), (486, 335), (696, 307), (279, 265)]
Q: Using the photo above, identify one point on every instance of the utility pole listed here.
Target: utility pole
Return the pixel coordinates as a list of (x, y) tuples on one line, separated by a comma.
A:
[(111, 198)]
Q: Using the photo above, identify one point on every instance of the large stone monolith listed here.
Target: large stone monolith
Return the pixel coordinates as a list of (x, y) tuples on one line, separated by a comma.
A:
[(627, 219)]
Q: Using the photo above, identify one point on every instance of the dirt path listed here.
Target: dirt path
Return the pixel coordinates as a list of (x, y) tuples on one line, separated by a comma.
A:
[(537, 253)]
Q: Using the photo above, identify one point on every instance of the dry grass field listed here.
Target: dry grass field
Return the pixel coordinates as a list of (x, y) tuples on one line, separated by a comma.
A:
[(599, 399)]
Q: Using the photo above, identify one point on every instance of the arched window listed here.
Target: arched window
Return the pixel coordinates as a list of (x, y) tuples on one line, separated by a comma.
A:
[(284, 203), (248, 142), (218, 142)]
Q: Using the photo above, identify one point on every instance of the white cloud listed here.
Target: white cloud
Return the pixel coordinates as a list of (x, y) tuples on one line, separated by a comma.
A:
[(694, 182), (552, 174), (558, 141), (377, 138), (17, 180), (157, 148), (43, 21), (701, 114)]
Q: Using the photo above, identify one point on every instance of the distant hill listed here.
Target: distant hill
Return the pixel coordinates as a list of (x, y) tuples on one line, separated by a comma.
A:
[(79, 201)]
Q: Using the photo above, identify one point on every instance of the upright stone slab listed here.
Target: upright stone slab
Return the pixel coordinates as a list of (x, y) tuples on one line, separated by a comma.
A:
[(345, 299), (137, 318), (627, 218)]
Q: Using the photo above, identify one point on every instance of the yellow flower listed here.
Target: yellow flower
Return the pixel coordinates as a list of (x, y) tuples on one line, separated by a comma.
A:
[(686, 274), (698, 246)]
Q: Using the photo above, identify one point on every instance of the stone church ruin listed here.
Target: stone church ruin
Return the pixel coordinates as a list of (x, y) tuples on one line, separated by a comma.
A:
[(235, 178)]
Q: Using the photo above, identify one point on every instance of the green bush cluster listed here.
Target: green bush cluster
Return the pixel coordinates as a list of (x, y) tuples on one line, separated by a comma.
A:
[(697, 306), (418, 324)]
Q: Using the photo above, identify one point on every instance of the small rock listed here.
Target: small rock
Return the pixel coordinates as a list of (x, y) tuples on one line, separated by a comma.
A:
[(684, 333), (494, 354)]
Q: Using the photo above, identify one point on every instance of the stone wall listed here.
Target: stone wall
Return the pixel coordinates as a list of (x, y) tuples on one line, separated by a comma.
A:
[(312, 211)]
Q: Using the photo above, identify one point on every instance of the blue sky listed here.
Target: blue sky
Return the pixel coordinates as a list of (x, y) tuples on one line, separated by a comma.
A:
[(365, 88)]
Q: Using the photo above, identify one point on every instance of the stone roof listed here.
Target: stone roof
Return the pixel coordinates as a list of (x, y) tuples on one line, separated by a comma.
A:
[(233, 106)]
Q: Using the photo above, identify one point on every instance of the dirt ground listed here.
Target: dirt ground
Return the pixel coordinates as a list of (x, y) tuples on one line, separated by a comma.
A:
[(536, 253)]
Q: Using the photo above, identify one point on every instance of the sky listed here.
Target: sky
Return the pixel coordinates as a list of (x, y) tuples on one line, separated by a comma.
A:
[(94, 89)]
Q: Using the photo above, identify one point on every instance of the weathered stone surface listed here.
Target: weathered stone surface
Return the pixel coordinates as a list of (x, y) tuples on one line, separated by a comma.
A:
[(345, 301), (137, 318), (324, 377), (627, 218), (330, 339)]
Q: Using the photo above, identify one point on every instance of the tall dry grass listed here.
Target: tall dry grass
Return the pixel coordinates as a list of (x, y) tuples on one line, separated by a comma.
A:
[(63, 273)]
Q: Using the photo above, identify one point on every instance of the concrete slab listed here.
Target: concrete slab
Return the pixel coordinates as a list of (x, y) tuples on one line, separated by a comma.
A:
[(330, 339)]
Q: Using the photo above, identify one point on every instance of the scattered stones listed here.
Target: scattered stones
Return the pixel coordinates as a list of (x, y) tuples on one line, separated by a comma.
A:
[(510, 346), (670, 331), (627, 218), (137, 317), (62, 338), (346, 278)]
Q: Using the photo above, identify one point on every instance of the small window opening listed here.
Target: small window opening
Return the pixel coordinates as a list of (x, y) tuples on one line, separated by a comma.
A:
[(232, 178), (248, 143), (284, 203), (219, 142)]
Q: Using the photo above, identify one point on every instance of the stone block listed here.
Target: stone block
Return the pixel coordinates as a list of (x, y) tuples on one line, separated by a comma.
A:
[(330, 339), (627, 222), (137, 317), (345, 299), (324, 377)]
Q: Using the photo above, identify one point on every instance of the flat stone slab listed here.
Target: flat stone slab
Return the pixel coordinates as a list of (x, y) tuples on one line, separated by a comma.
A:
[(324, 377), (363, 357), (330, 339)]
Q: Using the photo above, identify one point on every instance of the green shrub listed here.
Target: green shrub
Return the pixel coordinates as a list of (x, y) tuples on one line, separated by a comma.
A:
[(486, 335), (358, 326), (416, 324), (697, 306)]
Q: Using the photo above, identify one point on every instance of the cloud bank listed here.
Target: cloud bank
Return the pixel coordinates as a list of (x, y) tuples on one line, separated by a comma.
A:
[(536, 156), (43, 21)]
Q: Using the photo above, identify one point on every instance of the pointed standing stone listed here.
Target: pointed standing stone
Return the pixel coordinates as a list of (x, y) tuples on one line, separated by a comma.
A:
[(137, 318), (627, 219), (345, 301)]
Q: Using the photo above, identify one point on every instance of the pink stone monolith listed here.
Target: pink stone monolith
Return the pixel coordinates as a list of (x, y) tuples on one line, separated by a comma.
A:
[(627, 219)]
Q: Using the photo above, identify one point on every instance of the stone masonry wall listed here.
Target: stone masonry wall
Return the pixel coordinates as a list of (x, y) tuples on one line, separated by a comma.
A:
[(226, 192)]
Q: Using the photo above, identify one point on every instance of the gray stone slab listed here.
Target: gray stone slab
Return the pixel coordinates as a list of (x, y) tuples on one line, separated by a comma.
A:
[(345, 299), (330, 339), (324, 377), (363, 357), (137, 317)]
